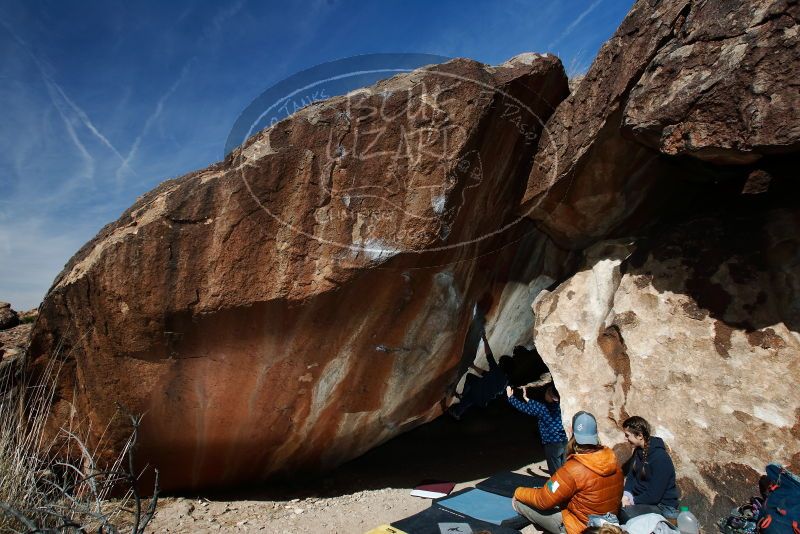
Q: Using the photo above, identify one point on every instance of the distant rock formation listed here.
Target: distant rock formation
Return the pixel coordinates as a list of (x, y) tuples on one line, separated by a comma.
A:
[(8, 317), (307, 298), (14, 342)]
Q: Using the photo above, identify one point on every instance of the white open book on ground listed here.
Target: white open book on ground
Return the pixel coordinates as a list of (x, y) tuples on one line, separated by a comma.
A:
[(433, 489)]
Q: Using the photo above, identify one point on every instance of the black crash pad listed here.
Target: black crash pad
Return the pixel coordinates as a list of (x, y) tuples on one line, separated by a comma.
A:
[(428, 521), (506, 482)]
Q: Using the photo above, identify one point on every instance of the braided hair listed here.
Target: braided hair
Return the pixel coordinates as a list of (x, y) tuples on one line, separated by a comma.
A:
[(639, 426)]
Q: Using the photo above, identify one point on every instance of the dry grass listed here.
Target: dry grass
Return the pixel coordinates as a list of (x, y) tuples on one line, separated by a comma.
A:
[(57, 486)]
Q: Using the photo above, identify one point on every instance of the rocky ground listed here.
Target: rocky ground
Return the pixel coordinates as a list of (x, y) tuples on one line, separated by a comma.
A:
[(356, 512), (371, 490)]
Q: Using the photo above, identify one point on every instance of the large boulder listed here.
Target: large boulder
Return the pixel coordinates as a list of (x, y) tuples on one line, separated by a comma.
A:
[(713, 80), (697, 329), (308, 297)]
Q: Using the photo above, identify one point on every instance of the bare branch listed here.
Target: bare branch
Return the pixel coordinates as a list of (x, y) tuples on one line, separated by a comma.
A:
[(53, 495), (151, 509), (19, 517)]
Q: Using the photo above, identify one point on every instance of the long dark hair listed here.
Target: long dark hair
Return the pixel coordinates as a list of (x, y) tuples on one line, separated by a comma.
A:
[(639, 426), (573, 447)]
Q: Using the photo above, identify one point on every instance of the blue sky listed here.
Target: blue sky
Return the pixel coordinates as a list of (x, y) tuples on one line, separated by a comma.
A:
[(102, 100)]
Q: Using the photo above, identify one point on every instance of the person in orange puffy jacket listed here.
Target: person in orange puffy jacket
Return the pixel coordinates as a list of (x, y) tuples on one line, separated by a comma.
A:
[(589, 482)]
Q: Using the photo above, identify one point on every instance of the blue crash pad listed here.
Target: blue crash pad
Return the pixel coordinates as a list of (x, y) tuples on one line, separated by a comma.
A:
[(482, 505)]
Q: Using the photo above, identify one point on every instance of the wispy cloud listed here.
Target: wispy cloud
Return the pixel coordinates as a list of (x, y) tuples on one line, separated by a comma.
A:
[(88, 173), (52, 87), (151, 119), (579, 63), (84, 118), (574, 24), (219, 20), (185, 13), (210, 33)]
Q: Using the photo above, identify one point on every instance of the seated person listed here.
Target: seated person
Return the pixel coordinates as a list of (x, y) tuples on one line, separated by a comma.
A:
[(589, 483), (650, 475)]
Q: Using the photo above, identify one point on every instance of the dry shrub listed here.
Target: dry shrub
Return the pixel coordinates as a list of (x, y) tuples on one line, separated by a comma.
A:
[(57, 486)]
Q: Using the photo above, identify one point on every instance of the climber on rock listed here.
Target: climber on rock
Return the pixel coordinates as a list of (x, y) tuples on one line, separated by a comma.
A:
[(480, 389)]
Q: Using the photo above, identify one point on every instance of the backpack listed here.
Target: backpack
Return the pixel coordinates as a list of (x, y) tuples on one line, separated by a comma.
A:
[(781, 513), (744, 519)]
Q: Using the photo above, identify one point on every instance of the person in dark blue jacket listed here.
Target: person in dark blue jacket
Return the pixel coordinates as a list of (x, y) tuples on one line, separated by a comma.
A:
[(650, 474), (551, 429)]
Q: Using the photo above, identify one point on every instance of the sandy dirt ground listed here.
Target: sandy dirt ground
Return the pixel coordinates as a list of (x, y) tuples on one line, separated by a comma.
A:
[(373, 489)]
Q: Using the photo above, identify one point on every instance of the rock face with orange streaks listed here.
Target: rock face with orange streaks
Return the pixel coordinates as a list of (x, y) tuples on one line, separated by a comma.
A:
[(307, 298)]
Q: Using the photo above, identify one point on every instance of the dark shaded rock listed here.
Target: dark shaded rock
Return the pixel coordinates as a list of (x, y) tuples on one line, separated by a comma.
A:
[(725, 88), (13, 344), (713, 80), (757, 182), (587, 178)]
